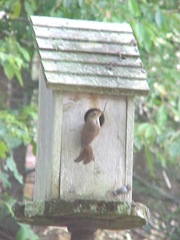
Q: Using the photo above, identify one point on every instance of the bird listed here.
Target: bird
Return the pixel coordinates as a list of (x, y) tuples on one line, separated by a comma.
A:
[(94, 119)]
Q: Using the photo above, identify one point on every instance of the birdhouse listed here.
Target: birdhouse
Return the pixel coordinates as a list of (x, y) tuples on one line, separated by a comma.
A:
[(86, 66), (90, 75)]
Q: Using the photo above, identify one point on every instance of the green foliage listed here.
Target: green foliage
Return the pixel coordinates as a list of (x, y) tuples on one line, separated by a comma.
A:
[(16, 128), (157, 30), (6, 203), (3, 148), (11, 166), (4, 180), (25, 233), (134, 8), (30, 7), (13, 58)]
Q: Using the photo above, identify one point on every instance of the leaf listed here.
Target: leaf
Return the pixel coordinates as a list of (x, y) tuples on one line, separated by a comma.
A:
[(26, 233), (140, 33), (10, 209), (174, 149), (159, 18), (25, 53), (161, 116), (11, 166), (19, 77), (148, 37), (142, 128), (28, 8), (134, 8), (178, 106), (34, 144), (15, 9), (3, 56), (3, 149), (149, 161), (162, 159), (6, 203), (4, 179), (145, 35), (150, 133), (8, 70)]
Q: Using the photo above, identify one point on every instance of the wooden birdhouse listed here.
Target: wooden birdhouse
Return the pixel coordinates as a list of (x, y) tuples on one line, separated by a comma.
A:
[(90, 75), (86, 65)]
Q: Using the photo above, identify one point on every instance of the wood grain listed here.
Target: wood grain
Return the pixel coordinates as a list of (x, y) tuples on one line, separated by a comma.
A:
[(49, 144), (99, 178)]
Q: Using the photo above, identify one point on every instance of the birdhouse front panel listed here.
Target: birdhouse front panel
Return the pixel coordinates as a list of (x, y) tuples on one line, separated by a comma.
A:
[(91, 72), (106, 172)]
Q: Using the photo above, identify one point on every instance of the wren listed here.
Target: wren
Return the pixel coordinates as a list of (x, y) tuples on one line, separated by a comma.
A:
[(94, 119)]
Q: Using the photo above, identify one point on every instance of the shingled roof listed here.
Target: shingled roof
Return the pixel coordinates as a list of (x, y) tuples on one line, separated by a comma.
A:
[(87, 56)]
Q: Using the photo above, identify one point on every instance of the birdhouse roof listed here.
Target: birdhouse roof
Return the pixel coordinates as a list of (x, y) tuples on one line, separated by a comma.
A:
[(89, 56)]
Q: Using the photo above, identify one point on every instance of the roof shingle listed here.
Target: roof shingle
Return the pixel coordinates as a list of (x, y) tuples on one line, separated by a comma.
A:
[(87, 56)]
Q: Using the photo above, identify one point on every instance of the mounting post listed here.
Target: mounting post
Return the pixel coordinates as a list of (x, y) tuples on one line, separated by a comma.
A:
[(81, 233)]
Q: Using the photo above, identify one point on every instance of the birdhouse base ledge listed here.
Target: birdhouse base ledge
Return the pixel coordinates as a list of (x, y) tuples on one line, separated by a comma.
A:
[(91, 213)]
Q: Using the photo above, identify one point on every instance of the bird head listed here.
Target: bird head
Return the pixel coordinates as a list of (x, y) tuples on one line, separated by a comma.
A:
[(95, 115)]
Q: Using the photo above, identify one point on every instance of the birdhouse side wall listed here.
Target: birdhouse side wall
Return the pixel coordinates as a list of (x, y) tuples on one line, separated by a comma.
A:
[(49, 143), (129, 144)]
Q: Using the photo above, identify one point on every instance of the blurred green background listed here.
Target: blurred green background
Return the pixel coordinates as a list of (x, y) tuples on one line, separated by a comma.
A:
[(156, 26)]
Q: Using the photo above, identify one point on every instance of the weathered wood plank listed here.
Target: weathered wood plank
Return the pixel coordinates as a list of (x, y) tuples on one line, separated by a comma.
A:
[(76, 46), (108, 70), (80, 24), (103, 215), (84, 35), (100, 84), (90, 58), (48, 155), (98, 179), (129, 144), (43, 154), (52, 191)]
